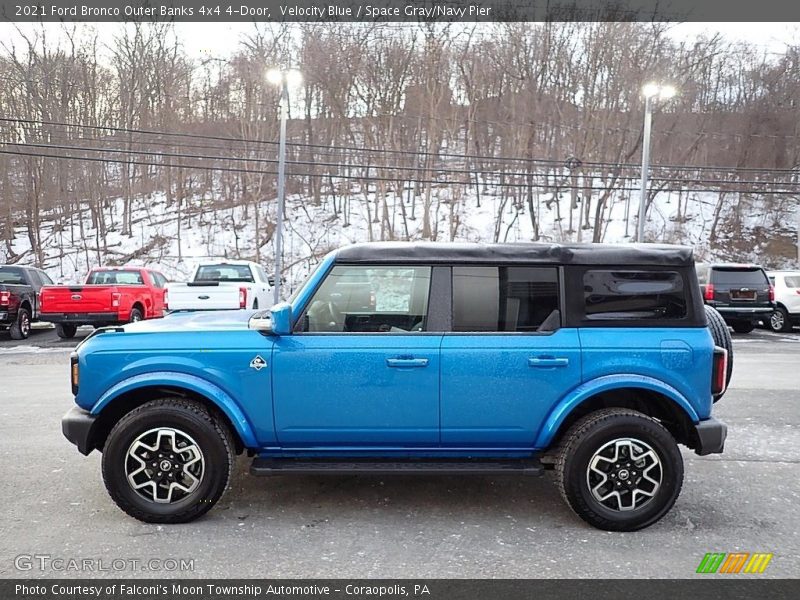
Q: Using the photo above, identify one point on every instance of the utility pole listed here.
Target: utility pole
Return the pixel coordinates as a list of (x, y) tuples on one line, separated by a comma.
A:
[(283, 79), (649, 91), (284, 104)]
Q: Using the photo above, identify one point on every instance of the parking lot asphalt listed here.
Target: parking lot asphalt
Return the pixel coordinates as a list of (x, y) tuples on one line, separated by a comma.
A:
[(745, 500)]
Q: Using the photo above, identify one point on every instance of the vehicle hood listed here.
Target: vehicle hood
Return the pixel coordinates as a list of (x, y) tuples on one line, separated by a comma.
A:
[(194, 321)]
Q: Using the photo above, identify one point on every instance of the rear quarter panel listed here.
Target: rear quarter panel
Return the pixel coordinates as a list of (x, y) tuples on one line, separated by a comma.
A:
[(679, 357)]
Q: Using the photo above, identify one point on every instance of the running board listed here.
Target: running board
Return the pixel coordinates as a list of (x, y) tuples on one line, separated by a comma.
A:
[(285, 466)]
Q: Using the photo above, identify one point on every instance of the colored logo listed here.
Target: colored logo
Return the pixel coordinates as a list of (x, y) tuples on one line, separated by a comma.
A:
[(735, 562)]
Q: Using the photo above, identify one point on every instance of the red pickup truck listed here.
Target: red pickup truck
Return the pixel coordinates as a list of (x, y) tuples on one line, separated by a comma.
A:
[(110, 296)]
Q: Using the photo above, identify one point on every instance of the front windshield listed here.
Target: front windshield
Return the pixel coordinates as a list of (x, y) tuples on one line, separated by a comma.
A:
[(298, 289)]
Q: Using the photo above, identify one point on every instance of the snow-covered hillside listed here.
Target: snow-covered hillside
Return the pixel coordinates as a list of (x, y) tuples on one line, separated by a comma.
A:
[(757, 230)]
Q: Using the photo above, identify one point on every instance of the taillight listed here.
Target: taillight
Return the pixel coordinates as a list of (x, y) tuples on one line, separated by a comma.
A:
[(5, 298), (709, 295), (242, 297), (719, 373), (772, 293), (115, 296)]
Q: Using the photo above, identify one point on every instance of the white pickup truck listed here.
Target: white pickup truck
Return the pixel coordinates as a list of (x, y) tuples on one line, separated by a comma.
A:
[(221, 285)]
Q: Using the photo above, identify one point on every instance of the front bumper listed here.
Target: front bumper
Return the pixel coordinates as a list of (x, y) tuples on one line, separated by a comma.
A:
[(78, 426), (709, 436), (81, 318)]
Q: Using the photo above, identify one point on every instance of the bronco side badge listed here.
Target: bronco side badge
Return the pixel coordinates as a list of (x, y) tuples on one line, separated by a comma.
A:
[(258, 363)]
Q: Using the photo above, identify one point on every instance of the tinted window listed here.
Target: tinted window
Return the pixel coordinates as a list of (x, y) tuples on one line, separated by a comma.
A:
[(115, 278), (792, 281), (261, 274), (634, 295), (739, 277), (503, 298), (382, 299), (12, 275), (224, 273), (45, 278)]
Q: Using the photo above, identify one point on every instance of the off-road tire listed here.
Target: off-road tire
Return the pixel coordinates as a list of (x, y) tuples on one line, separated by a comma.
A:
[(211, 435), (722, 338), (66, 330), (589, 434)]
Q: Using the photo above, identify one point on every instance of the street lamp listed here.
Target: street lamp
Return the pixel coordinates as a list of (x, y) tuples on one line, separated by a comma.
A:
[(651, 92), (284, 79)]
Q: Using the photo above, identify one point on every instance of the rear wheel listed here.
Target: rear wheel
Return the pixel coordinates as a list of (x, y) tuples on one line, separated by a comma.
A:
[(136, 315), (21, 328), (619, 470), (780, 321), (168, 461), (722, 338), (743, 326), (66, 330)]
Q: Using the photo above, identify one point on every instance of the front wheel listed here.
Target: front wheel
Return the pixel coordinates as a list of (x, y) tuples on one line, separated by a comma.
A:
[(619, 470), (168, 461)]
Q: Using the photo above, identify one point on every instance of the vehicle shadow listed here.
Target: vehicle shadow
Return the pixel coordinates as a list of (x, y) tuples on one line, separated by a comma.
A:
[(310, 497)]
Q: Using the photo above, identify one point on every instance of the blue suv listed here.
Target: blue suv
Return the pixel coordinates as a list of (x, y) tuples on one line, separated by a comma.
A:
[(593, 361)]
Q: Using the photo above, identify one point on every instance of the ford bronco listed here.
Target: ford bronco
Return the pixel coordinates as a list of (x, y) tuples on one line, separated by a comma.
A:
[(592, 361)]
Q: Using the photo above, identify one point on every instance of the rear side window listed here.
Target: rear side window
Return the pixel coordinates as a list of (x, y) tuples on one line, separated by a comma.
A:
[(792, 281), (503, 299), (739, 277), (634, 295)]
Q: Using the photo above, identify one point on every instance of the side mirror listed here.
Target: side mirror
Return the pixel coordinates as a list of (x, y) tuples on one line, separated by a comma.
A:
[(276, 321)]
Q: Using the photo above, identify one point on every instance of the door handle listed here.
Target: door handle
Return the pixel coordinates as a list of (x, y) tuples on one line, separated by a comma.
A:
[(406, 362), (545, 362)]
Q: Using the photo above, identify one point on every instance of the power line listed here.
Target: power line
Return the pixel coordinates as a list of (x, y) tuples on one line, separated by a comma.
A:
[(328, 147), (368, 168), (553, 186)]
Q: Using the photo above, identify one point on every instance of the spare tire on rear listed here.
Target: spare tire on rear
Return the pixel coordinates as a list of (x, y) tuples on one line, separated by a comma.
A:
[(722, 338)]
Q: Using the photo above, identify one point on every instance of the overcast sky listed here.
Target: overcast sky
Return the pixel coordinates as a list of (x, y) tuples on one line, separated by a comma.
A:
[(220, 39)]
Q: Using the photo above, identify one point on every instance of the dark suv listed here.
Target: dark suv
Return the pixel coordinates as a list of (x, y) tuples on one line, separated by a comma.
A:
[(741, 293)]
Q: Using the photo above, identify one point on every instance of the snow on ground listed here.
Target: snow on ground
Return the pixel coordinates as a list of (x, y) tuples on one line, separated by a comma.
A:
[(312, 230)]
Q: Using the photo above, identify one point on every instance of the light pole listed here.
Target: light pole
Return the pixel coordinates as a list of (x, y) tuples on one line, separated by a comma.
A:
[(282, 79), (650, 91)]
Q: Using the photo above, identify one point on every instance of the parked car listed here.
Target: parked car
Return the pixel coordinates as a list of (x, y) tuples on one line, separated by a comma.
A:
[(220, 286), (741, 293), (595, 361), (110, 296), (19, 298), (787, 300)]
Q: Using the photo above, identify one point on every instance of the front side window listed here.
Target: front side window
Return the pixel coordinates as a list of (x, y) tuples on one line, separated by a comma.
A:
[(623, 294), (369, 299), (503, 299)]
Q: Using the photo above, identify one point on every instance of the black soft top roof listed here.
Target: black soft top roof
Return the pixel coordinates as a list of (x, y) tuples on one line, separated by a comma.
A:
[(523, 253)]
